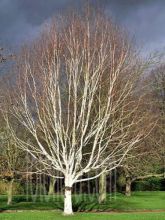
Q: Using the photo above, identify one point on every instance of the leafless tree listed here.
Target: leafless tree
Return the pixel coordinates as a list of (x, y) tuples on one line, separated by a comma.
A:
[(147, 159), (72, 93), (140, 164), (11, 163), (10, 155)]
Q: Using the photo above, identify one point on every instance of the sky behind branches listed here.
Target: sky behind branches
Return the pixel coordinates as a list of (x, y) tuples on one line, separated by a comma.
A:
[(22, 20)]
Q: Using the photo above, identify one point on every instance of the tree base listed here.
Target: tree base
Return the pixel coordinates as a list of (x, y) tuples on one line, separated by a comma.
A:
[(67, 214)]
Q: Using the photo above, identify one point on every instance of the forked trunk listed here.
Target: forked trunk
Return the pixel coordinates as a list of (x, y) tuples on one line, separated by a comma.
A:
[(102, 188), (68, 196), (10, 192), (128, 186)]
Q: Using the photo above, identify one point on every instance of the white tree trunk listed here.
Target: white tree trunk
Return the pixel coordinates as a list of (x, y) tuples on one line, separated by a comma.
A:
[(68, 202), (68, 196)]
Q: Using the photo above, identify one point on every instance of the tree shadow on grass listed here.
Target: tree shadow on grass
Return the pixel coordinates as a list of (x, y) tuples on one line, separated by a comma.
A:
[(30, 203)]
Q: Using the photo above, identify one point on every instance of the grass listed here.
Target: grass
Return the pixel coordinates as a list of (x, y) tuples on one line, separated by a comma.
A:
[(45, 215), (139, 201)]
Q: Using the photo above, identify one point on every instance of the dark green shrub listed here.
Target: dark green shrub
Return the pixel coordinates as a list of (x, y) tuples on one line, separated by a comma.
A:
[(150, 184)]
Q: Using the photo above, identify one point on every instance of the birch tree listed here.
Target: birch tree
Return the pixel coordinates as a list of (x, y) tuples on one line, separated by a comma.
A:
[(68, 97)]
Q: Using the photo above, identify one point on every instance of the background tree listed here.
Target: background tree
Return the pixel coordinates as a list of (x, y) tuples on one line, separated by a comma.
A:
[(146, 160), (12, 163), (141, 164), (52, 182), (10, 155), (157, 80)]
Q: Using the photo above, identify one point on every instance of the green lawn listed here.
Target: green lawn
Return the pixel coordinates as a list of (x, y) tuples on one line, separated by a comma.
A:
[(81, 216), (138, 202)]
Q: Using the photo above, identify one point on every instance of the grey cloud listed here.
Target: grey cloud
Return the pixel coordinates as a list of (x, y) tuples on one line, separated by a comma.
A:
[(20, 20), (144, 19)]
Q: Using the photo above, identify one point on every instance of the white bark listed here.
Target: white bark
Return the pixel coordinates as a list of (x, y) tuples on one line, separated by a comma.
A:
[(68, 201), (68, 195)]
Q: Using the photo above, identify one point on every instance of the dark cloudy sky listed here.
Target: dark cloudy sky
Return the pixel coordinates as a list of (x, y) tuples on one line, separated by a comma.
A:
[(21, 20)]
